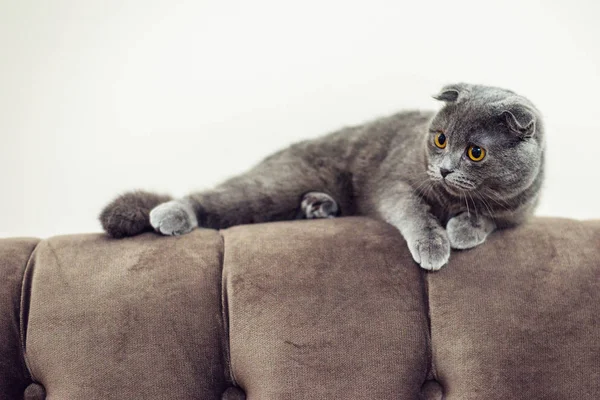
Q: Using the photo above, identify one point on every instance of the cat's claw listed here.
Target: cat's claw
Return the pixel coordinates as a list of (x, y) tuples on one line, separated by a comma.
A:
[(318, 205), (173, 218)]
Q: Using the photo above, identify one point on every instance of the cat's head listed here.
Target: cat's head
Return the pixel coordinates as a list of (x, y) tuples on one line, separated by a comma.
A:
[(485, 141)]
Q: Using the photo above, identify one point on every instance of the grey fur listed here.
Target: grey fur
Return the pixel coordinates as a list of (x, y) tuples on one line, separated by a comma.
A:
[(129, 214), (389, 169), (469, 230)]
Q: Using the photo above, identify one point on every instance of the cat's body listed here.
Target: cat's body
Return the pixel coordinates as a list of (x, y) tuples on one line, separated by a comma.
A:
[(390, 169)]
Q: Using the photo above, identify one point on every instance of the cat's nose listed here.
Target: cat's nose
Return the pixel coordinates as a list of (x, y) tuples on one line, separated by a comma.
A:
[(444, 172)]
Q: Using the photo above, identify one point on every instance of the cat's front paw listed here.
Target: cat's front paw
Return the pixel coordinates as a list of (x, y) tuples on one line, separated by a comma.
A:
[(173, 218), (430, 249), (466, 231)]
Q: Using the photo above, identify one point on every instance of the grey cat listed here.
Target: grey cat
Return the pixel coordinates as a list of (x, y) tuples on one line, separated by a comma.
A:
[(445, 180)]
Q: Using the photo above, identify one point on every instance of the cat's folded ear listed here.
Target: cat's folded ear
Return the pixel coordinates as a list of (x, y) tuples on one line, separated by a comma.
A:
[(451, 93), (520, 119)]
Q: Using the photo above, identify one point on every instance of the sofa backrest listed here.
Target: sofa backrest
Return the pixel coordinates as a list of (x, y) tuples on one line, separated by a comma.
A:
[(301, 310)]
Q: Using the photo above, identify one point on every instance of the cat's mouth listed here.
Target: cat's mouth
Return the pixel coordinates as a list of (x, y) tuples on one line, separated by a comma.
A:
[(456, 185), (457, 188), (448, 187)]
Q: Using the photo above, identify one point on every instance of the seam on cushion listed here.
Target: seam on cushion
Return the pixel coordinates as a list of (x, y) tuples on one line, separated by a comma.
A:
[(225, 316), (431, 373), (24, 305)]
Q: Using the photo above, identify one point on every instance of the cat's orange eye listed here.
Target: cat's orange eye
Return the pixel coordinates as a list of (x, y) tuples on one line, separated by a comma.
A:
[(440, 140), (476, 153)]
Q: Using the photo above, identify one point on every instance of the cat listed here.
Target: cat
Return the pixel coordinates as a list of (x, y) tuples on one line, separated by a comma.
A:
[(444, 180)]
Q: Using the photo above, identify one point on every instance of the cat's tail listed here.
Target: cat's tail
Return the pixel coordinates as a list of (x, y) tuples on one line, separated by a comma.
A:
[(129, 214)]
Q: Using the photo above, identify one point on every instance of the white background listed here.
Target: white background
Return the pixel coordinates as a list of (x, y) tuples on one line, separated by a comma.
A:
[(98, 97)]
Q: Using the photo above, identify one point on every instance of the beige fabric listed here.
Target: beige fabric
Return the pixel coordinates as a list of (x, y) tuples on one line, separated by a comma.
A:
[(330, 309)]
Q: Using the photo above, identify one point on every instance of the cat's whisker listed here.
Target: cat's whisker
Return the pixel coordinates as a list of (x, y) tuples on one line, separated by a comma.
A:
[(474, 205), (487, 206), (422, 184), (424, 188), (498, 200)]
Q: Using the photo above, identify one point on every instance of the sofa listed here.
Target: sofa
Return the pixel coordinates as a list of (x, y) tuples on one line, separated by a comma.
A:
[(320, 309)]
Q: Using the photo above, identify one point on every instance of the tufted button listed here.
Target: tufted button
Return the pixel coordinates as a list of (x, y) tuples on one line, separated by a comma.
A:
[(432, 390), (233, 393), (34, 391)]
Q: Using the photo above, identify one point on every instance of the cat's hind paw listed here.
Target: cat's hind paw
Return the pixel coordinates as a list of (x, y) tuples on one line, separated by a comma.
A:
[(173, 218), (318, 205)]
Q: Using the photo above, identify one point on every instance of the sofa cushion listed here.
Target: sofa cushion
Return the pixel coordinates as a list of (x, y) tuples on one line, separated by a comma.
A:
[(519, 317), (325, 310), (127, 319), (14, 254)]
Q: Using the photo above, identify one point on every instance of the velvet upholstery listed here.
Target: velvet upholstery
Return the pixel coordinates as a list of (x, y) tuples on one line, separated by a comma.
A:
[(327, 309), (14, 378), (519, 318), (318, 303)]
